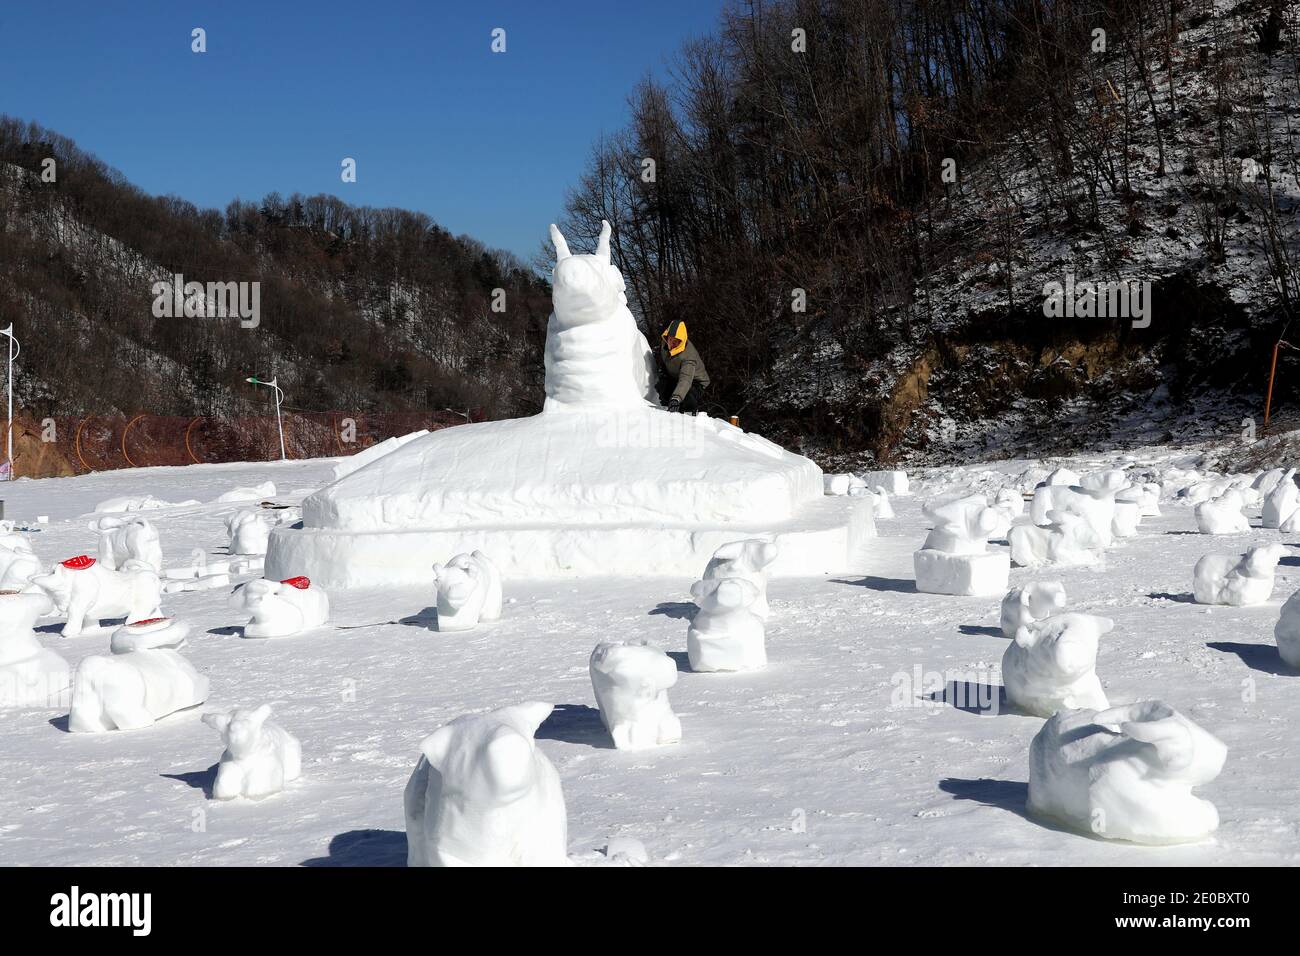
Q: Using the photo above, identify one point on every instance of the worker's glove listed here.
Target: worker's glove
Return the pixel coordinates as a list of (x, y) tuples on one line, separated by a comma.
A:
[(674, 405)]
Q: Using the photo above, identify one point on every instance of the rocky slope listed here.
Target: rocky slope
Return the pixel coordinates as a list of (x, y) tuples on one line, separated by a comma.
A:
[(1201, 203)]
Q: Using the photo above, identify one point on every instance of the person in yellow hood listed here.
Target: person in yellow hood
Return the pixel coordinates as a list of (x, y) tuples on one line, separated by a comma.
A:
[(682, 377)]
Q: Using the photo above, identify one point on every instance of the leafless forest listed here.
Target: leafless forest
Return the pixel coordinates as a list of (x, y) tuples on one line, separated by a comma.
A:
[(847, 200)]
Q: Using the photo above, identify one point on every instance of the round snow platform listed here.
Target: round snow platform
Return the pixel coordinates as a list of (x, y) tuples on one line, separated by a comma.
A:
[(572, 493), (827, 536)]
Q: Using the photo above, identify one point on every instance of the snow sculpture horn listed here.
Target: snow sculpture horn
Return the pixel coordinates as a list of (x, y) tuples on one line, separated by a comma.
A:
[(602, 244), (561, 246)]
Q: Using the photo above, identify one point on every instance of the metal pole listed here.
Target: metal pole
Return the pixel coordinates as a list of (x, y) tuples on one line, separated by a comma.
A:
[(9, 442), (279, 397), (14, 348), (1268, 400)]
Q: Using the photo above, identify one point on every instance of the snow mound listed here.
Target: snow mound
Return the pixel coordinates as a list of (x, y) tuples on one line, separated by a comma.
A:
[(584, 467)]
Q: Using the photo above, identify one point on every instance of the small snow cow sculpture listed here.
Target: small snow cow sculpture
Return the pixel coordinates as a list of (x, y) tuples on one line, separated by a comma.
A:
[(86, 591), (1287, 631), (30, 675), (249, 532), (18, 563), (595, 354), (1068, 539), (955, 558), (260, 756), (894, 482), (1051, 664), (1060, 476), (748, 560), (127, 539), (1281, 502), (130, 691), (469, 592), (631, 681), (1009, 505), (1222, 515), (725, 634), (1096, 506), (482, 794), (845, 484), (1126, 773), (148, 635), (1225, 579), (1266, 481), (281, 608), (1031, 603), (1146, 497)]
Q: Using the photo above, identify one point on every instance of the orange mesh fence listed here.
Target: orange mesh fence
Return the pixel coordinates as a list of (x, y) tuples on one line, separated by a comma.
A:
[(75, 445)]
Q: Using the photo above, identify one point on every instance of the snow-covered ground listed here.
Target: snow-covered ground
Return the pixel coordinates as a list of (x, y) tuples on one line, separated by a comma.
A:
[(832, 755)]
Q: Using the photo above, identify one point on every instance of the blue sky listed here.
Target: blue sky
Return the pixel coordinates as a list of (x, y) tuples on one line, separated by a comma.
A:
[(484, 143)]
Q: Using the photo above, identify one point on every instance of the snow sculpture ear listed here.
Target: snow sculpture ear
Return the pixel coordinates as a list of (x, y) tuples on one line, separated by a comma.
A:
[(1104, 625), (218, 722), (561, 247), (602, 244), (437, 572), (259, 715), (435, 746), (526, 717)]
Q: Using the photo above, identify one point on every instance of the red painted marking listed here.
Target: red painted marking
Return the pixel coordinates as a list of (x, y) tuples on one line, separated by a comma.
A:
[(150, 620), (79, 563), (300, 582)]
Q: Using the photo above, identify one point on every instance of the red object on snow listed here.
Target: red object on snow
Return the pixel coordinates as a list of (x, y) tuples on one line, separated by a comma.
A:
[(150, 620), (79, 563), (300, 582)]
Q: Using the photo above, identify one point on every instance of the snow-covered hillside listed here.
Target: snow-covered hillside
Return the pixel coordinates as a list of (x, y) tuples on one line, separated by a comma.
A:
[(1185, 177), (877, 734)]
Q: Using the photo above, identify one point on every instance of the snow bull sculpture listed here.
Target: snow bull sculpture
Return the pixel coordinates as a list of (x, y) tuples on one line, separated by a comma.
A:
[(1126, 773), (281, 608), (631, 681), (87, 591), (482, 794), (260, 756)]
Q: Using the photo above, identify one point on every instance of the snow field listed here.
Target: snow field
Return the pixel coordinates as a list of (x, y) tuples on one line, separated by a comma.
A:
[(835, 753)]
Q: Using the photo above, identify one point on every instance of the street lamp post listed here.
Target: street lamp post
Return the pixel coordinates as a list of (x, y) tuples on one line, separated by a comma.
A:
[(279, 397), (14, 349)]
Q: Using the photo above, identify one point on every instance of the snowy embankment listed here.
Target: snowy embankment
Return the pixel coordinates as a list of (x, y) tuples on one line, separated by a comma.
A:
[(862, 741)]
